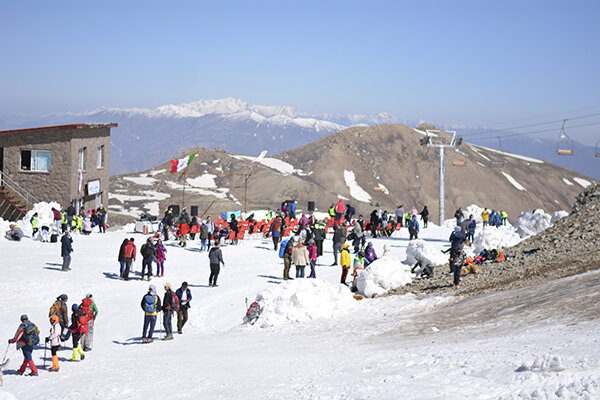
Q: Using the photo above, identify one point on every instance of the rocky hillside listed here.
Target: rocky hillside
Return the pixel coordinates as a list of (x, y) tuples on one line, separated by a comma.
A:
[(370, 167), (570, 247)]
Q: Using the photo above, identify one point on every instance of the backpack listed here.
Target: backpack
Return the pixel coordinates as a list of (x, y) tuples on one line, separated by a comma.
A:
[(174, 302), (282, 247), (55, 309), (150, 303), (32, 335), (253, 312), (86, 308), (82, 323), (129, 250)]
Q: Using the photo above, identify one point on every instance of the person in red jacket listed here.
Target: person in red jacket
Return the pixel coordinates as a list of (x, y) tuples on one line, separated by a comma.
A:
[(129, 258), (339, 209)]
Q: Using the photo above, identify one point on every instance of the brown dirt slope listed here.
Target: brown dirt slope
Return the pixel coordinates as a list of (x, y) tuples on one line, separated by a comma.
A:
[(570, 247)]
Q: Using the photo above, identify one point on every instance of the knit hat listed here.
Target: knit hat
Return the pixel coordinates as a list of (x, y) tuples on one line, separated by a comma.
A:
[(74, 307), (54, 318), (24, 318), (89, 296), (457, 228), (63, 297), (152, 290), (168, 286)]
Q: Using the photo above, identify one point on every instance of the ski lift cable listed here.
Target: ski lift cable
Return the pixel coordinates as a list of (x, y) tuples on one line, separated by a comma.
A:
[(489, 132), (542, 131)]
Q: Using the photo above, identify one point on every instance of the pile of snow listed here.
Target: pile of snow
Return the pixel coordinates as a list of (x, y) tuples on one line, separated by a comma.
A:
[(382, 275), (529, 224), (495, 238), (558, 215), (425, 251), (45, 217), (549, 363), (303, 300)]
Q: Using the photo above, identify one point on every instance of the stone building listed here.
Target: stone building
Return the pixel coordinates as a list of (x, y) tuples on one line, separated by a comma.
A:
[(68, 164)]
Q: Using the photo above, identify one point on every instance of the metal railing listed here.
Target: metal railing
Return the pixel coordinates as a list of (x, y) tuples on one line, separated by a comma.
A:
[(15, 189)]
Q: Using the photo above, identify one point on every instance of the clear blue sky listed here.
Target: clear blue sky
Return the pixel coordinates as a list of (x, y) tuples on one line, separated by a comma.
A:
[(454, 62)]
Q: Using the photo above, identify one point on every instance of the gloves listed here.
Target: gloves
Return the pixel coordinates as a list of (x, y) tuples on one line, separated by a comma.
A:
[(47, 339), (11, 341)]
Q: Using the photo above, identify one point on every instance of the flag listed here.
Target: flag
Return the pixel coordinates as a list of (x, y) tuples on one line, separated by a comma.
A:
[(260, 157), (179, 165), (80, 182)]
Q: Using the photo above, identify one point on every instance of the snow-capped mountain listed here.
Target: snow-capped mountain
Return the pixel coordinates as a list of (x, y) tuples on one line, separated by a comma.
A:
[(146, 137)]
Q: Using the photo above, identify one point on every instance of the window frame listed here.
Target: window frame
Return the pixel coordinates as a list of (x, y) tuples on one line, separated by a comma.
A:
[(34, 156), (81, 158), (100, 157)]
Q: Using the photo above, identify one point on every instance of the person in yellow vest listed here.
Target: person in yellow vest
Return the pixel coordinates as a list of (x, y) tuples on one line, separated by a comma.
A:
[(63, 221), (504, 216), (34, 224), (485, 216), (79, 224), (345, 262), (359, 265)]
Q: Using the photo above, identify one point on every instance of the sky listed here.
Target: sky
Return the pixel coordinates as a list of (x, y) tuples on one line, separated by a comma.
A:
[(471, 63)]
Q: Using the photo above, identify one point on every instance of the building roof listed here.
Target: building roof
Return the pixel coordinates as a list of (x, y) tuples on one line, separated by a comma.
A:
[(58, 127)]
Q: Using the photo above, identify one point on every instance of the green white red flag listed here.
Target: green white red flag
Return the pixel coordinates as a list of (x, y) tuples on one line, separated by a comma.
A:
[(178, 165)]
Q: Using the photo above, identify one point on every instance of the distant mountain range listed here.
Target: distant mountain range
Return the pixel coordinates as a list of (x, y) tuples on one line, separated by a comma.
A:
[(147, 137)]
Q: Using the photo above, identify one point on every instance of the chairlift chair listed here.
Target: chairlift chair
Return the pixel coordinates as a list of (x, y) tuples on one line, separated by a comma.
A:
[(414, 185), (564, 146), (462, 162), (497, 162)]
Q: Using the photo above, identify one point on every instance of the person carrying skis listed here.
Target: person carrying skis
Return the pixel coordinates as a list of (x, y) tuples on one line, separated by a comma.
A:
[(54, 340), (79, 327), (185, 296), (151, 305), (89, 308), (345, 262), (215, 257), (26, 337)]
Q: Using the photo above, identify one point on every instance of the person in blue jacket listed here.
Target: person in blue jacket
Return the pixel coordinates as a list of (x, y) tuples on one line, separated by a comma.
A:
[(413, 228), (185, 296), (471, 228)]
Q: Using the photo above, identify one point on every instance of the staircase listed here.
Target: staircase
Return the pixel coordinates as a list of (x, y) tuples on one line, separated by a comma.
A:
[(14, 200)]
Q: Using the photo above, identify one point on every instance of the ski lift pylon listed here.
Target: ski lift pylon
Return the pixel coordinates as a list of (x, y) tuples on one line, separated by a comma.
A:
[(598, 149), (564, 146), (497, 162)]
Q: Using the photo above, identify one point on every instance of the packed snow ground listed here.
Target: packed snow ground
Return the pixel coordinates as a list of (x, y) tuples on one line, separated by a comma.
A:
[(314, 342)]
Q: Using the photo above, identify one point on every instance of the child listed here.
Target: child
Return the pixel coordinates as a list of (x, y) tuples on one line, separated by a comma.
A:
[(161, 257), (345, 262), (78, 328), (359, 266), (54, 340)]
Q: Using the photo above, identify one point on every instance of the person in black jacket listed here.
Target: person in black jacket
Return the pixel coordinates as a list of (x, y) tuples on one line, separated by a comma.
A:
[(167, 308), (425, 216), (148, 253), (122, 259), (319, 235), (374, 223), (215, 257), (233, 225), (65, 250)]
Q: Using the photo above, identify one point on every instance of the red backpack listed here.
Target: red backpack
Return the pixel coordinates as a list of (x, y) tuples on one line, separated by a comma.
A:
[(86, 307), (174, 302), (129, 250)]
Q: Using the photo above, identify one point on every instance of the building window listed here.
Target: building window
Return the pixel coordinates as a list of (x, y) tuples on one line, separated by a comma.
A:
[(100, 157), (36, 160), (82, 158)]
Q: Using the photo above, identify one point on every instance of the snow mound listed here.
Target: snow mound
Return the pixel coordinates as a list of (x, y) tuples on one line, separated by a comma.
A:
[(529, 224), (7, 396), (45, 217), (495, 238), (382, 275), (422, 250), (549, 363), (303, 300), (558, 215)]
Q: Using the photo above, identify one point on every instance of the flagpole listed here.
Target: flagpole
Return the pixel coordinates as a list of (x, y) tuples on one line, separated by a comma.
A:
[(183, 197)]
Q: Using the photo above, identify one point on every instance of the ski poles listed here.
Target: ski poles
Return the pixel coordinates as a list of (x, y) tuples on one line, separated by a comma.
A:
[(45, 349)]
